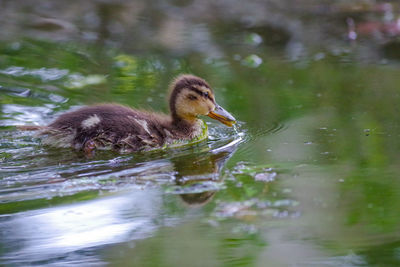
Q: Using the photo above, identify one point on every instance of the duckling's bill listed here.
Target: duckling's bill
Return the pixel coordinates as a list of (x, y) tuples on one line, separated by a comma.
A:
[(222, 115)]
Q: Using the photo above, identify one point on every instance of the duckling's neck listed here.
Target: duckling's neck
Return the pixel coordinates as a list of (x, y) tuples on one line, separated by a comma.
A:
[(187, 127)]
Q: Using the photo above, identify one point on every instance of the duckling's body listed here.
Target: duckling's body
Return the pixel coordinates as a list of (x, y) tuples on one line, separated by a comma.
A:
[(117, 127), (127, 130)]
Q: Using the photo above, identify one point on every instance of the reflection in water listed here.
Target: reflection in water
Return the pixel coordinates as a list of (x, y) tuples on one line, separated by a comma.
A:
[(72, 233), (55, 232), (194, 170)]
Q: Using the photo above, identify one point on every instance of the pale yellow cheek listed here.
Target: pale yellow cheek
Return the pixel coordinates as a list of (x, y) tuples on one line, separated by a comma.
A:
[(193, 108), (203, 109), (186, 109)]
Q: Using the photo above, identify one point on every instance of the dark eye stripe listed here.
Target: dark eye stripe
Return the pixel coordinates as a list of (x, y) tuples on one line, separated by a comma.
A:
[(192, 97), (201, 93)]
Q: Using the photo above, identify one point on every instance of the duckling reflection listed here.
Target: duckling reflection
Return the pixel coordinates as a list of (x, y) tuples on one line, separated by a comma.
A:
[(194, 170)]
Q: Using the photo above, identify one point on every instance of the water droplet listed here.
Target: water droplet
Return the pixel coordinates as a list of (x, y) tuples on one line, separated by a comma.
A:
[(254, 39), (235, 129), (352, 35), (252, 61)]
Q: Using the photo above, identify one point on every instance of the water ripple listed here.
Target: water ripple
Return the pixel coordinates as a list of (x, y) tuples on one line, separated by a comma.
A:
[(33, 172)]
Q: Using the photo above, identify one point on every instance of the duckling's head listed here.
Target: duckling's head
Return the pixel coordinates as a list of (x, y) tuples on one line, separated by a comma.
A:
[(191, 96)]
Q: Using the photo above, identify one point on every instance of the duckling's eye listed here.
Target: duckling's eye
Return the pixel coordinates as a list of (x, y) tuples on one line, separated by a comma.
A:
[(205, 94), (192, 97)]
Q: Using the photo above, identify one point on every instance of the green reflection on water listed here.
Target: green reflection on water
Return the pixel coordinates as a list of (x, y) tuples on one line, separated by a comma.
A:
[(319, 161)]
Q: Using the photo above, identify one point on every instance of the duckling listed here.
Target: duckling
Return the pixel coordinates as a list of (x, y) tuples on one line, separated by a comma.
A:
[(126, 130)]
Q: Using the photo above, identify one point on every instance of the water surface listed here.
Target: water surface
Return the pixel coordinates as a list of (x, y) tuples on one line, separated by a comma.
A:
[(308, 178)]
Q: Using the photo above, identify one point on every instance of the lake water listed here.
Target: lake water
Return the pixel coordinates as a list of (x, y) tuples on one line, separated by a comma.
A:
[(309, 177)]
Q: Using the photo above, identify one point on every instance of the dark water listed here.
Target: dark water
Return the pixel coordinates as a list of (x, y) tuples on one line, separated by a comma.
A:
[(310, 177)]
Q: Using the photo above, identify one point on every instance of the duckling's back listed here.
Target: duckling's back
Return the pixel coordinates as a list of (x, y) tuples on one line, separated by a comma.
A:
[(106, 126)]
